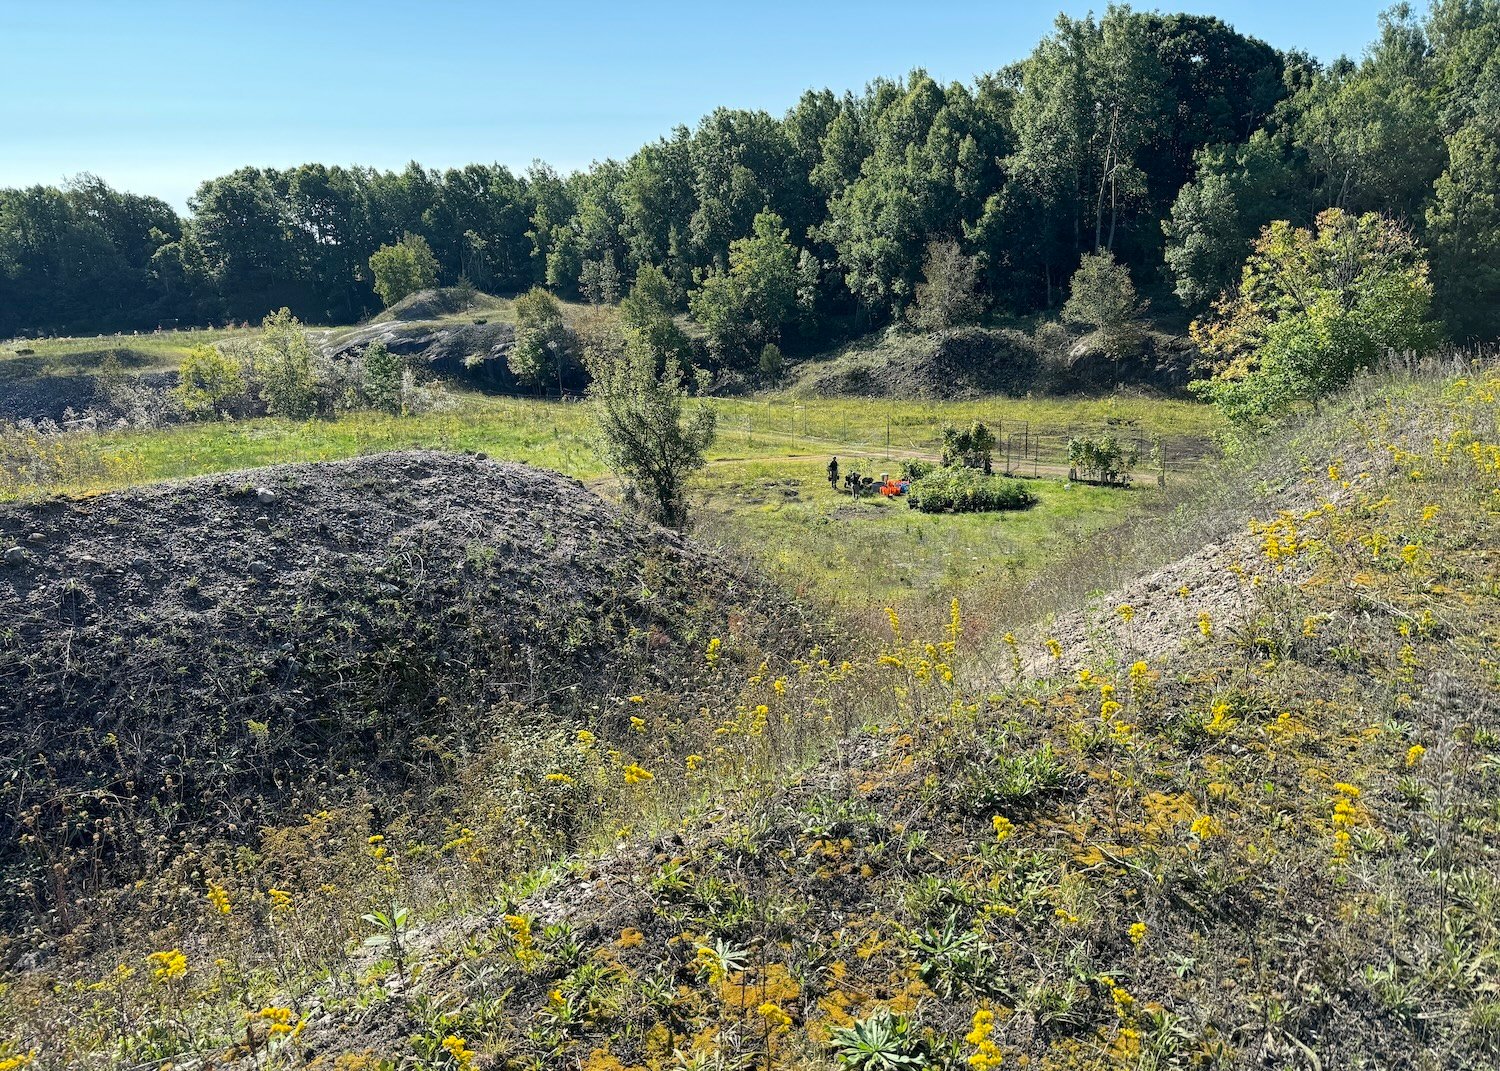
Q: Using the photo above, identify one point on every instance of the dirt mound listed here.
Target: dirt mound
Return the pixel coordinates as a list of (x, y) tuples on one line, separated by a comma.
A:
[(1164, 362), (962, 363), (970, 362), (221, 650), (472, 352), (428, 305)]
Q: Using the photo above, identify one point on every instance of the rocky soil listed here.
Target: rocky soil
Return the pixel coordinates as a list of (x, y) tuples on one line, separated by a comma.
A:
[(250, 637)]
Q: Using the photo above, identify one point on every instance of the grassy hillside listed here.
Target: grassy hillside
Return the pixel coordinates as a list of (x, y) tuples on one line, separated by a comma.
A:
[(1260, 830)]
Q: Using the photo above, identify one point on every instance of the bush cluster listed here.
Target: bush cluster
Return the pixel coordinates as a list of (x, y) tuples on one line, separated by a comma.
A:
[(956, 489), (281, 373)]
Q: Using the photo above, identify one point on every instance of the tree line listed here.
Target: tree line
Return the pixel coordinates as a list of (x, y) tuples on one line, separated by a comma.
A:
[(1167, 141)]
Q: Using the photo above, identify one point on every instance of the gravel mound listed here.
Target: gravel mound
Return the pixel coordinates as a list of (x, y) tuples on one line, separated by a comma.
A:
[(241, 639)]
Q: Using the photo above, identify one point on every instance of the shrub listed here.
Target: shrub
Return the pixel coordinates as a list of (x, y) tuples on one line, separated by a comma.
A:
[(1313, 308), (972, 446), (541, 339), (1103, 459), (383, 377), (915, 468), (207, 382), (955, 489), (282, 365)]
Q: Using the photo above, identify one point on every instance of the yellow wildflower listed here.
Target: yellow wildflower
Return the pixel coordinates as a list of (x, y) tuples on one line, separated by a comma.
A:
[(458, 1049), (167, 966), (1004, 827), (711, 655), (635, 775), (1137, 933), (774, 1015), (1126, 612), (638, 724), (218, 896), (1414, 754), (1053, 647), (1205, 827), (986, 1053), (560, 778)]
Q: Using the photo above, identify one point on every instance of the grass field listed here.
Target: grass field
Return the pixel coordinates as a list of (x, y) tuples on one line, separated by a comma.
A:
[(764, 493), (150, 352), (865, 555), (555, 435)]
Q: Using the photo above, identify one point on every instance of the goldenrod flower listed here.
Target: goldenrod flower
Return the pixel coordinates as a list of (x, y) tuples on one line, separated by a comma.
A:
[(459, 1050), (986, 1054), (1414, 754), (1053, 647), (281, 900), (1126, 612), (711, 655), (1206, 827), (694, 761), (638, 724), (635, 775), (1004, 827), (1137, 933), (167, 966), (560, 778), (219, 898), (774, 1015)]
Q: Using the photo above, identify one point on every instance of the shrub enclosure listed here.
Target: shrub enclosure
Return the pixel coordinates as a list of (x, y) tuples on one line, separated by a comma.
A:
[(956, 489)]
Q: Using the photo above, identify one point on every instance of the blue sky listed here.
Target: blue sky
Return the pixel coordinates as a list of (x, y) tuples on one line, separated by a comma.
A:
[(157, 95)]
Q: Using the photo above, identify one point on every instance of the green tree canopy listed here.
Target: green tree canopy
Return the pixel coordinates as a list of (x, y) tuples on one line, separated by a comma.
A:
[(282, 364), (1315, 306), (948, 294), (1102, 296), (1463, 227), (403, 268), (746, 307)]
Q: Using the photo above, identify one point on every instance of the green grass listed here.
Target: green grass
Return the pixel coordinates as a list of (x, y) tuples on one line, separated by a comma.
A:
[(150, 352), (916, 426), (555, 435), (861, 556), (764, 491)]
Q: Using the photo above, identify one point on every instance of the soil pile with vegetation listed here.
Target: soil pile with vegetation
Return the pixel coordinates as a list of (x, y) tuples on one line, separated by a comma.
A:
[(197, 659), (971, 362), (461, 334)]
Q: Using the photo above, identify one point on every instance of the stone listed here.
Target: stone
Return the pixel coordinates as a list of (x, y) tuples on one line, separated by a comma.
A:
[(15, 556), (265, 496)]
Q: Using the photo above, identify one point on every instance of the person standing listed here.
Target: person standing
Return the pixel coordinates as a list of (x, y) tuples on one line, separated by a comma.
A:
[(833, 473)]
